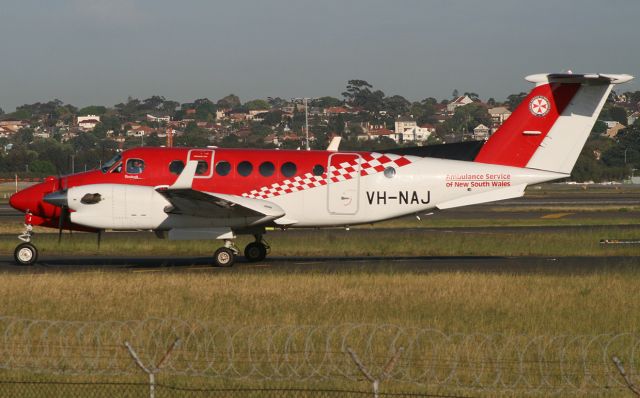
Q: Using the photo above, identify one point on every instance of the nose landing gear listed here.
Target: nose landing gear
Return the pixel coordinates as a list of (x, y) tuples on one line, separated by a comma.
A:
[(26, 253)]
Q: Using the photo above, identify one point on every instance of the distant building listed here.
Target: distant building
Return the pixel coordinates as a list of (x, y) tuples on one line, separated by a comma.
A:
[(481, 132), (88, 122), (152, 118), (499, 115), (458, 102), (407, 130), (613, 129)]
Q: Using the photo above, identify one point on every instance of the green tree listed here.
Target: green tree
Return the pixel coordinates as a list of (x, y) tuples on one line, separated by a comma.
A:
[(205, 109), (359, 94), (92, 110), (396, 105), (619, 114), (231, 101), (514, 100), (257, 104), (24, 136)]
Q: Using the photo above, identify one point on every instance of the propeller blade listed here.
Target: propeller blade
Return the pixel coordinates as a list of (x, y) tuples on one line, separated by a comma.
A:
[(99, 238)]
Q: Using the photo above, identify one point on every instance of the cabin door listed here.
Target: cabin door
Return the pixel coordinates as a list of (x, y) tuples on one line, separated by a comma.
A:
[(343, 182)]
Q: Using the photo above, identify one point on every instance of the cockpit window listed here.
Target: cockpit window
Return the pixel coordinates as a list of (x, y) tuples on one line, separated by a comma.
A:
[(107, 165), (135, 166)]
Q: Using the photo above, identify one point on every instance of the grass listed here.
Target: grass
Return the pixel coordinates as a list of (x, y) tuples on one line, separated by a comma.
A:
[(534, 302), (583, 241), (512, 301)]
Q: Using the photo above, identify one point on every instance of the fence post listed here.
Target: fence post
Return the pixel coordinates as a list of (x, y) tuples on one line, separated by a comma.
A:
[(151, 371), (386, 373), (624, 375)]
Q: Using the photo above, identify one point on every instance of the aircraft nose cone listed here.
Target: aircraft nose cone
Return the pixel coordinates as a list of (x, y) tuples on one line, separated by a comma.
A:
[(19, 201), (58, 198)]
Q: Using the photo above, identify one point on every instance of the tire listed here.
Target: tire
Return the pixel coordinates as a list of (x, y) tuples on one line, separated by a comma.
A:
[(25, 254), (255, 251), (224, 257)]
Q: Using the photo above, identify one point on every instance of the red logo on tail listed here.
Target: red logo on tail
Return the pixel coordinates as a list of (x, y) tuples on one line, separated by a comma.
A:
[(539, 106)]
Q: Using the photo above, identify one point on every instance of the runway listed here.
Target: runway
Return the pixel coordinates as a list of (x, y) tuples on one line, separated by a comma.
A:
[(417, 264)]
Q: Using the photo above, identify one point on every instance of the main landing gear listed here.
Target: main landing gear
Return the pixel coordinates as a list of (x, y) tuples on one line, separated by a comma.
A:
[(254, 251), (26, 253)]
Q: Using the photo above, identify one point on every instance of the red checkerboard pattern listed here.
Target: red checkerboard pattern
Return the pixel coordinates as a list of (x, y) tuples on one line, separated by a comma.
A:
[(367, 164)]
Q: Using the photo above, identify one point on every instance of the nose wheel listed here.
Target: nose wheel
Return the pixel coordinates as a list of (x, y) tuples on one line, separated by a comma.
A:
[(25, 254)]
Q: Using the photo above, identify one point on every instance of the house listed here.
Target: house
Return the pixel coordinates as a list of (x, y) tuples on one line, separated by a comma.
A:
[(139, 131), (335, 110), (499, 115), (631, 119), (481, 132), (88, 122), (613, 129), (378, 133), (458, 102), (152, 118), (407, 130)]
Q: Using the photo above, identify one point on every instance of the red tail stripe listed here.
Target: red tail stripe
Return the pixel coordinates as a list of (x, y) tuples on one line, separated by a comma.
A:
[(509, 146)]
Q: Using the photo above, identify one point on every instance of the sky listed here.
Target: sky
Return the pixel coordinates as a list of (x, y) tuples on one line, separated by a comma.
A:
[(99, 52)]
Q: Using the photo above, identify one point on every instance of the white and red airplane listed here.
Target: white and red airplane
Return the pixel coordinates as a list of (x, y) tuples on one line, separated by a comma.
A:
[(183, 193)]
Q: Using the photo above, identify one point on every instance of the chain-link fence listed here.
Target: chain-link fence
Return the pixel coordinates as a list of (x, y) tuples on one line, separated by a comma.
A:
[(348, 358)]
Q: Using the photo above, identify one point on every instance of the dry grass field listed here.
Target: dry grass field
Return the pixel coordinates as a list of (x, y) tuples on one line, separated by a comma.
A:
[(566, 301)]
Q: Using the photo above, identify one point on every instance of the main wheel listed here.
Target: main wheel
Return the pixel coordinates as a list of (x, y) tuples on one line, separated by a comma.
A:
[(255, 251), (224, 257), (25, 254)]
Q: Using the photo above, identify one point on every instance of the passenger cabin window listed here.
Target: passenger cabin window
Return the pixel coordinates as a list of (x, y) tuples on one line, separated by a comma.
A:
[(135, 166), (176, 167), (245, 168), (267, 169), (223, 168), (318, 170), (202, 168), (288, 169)]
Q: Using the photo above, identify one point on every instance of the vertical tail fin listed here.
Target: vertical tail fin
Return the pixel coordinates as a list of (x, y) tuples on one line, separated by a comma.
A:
[(549, 128)]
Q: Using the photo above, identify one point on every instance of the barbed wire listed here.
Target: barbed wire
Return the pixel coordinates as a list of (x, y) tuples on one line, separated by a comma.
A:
[(423, 356)]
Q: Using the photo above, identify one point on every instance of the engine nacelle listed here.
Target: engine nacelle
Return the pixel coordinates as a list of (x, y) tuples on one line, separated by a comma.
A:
[(117, 206)]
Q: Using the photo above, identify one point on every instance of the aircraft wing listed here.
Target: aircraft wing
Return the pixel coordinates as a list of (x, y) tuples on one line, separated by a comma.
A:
[(213, 205), (188, 201)]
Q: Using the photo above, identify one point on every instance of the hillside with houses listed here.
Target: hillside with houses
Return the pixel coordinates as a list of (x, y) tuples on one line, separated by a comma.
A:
[(53, 137)]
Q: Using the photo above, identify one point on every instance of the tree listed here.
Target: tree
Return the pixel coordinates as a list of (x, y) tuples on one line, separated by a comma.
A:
[(205, 109), (455, 94), (326, 102), (272, 118), (257, 104), (24, 136), (466, 118), (92, 110), (358, 94), (514, 100), (1, 111), (619, 114), (396, 105), (231, 101)]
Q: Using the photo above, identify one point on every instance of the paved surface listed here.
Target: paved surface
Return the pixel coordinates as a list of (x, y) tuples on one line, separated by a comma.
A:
[(420, 264)]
